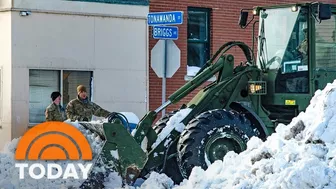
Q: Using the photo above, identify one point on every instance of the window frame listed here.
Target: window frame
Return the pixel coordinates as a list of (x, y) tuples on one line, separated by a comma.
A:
[(207, 40), (317, 65), (125, 2), (72, 70), (60, 72), (1, 97)]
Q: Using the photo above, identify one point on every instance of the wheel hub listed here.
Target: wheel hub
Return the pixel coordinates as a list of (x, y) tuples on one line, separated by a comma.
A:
[(218, 151), (221, 143)]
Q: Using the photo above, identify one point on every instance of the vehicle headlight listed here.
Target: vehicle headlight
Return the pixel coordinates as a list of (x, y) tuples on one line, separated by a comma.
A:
[(257, 87), (254, 88)]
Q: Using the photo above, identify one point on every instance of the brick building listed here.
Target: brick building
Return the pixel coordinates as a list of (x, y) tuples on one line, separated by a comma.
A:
[(206, 26)]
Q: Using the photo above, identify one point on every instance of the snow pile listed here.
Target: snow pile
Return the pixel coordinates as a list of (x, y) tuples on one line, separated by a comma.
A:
[(155, 181), (113, 181), (9, 174), (192, 70), (173, 123), (299, 155)]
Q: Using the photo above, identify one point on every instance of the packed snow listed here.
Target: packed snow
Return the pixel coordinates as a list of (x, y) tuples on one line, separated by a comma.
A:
[(299, 155)]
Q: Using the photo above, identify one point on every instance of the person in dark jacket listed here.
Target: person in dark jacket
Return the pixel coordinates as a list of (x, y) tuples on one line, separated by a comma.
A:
[(55, 112), (82, 109)]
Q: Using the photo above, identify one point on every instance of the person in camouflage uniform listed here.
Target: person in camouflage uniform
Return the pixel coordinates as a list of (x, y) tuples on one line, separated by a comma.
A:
[(55, 112), (81, 109), (303, 47)]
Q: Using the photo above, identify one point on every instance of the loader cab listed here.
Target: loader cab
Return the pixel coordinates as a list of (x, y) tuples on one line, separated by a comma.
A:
[(296, 50), (290, 45), (295, 42), (283, 49)]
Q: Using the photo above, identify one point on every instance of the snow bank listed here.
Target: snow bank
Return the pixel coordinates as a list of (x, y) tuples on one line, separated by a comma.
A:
[(155, 181), (299, 155), (9, 174)]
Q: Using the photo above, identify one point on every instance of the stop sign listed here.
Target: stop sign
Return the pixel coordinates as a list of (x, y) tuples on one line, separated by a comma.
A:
[(165, 58)]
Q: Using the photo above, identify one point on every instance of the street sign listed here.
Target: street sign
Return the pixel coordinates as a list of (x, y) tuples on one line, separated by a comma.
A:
[(165, 18), (165, 32), (161, 67), (165, 57)]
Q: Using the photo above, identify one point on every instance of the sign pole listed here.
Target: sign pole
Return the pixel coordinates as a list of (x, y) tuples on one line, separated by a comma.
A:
[(164, 77), (161, 31)]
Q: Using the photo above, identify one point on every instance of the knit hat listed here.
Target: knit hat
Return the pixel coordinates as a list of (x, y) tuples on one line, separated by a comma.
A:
[(54, 95), (81, 88)]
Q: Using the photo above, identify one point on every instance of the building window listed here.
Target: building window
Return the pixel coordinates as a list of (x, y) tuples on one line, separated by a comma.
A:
[(325, 46), (1, 105), (71, 79), (198, 39), (127, 2), (43, 82)]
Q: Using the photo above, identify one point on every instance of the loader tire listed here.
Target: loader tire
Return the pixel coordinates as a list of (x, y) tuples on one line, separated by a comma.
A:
[(162, 122), (209, 136), (95, 179), (171, 169)]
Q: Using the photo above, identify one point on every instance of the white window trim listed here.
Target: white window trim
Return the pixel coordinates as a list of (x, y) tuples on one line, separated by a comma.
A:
[(1, 96), (188, 78)]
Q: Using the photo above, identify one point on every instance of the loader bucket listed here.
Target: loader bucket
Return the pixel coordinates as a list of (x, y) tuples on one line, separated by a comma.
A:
[(120, 153)]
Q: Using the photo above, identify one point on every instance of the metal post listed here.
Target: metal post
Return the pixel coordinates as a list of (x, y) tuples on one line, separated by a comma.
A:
[(164, 77), (61, 87)]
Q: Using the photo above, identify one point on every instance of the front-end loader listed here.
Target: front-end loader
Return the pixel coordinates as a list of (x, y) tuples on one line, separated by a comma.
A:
[(296, 56)]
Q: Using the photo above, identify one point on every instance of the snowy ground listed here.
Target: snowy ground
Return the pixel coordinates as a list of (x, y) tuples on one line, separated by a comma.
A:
[(299, 155)]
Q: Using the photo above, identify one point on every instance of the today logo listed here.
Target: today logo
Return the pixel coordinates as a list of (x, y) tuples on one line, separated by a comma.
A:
[(53, 141)]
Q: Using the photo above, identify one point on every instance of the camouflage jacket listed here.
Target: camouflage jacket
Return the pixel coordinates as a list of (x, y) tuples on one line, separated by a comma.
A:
[(55, 113), (303, 47), (78, 109)]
